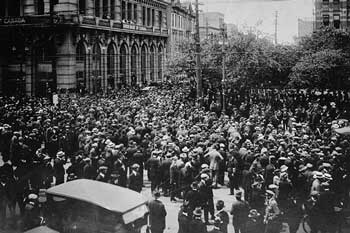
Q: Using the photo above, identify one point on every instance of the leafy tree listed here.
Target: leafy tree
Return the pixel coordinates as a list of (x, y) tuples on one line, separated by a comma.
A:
[(327, 68)]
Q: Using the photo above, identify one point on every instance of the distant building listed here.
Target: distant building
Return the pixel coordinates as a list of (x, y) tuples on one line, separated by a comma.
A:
[(211, 24), (181, 22), (305, 27), (335, 13), (231, 28)]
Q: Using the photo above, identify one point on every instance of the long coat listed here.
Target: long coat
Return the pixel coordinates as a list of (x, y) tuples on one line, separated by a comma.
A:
[(184, 220), (157, 214)]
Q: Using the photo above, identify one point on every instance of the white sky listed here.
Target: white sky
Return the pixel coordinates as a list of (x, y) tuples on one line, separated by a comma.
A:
[(247, 13)]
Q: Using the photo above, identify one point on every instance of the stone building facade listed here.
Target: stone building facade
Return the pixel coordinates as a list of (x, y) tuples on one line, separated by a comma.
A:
[(181, 24), (335, 13), (84, 46)]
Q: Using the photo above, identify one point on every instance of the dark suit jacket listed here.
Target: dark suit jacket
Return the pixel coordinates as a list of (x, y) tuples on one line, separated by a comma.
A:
[(157, 215), (197, 226), (135, 182), (184, 222), (223, 215)]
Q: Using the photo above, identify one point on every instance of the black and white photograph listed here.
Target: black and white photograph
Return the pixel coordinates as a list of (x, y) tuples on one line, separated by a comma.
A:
[(174, 116)]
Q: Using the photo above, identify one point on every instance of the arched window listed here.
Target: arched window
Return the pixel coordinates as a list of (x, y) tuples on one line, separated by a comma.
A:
[(143, 63), (151, 62), (123, 63), (110, 65), (97, 8), (40, 7), (82, 7), (160, 62), (134, 65), (97, 67), (81, 67), (81, 52)]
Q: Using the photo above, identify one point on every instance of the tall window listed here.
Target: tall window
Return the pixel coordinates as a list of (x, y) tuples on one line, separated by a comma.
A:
[(110, 65), (105, 9), (2, 8), (160, 63), (129, 10), (14, 7), (325, 20), (123, 63), (81, 53), (336, 21), (112, 9), (133, 64), (153, 17), (148, 16), (123, 10), (151, 62), (97, 8), (143, 63), (143, 15), (40, 7), (160, 18), (135, 12), (82, 7)]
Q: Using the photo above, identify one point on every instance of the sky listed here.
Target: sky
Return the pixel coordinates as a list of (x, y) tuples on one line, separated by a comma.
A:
[(260, 14)]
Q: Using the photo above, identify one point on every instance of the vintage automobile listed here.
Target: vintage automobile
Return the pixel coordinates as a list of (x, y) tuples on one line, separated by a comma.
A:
[(88, 206)]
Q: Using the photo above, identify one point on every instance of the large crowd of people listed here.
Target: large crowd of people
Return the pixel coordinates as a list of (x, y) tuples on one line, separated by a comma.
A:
[(276, 150)]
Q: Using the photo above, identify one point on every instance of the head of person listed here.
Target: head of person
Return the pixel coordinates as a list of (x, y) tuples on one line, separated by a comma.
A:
[(220, 205), (156, 194), (238, 195)]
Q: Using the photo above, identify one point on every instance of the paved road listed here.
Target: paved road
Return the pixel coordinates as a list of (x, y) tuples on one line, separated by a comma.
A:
[(173, 209)]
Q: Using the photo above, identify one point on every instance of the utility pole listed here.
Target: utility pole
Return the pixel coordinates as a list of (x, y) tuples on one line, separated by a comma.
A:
[(276, 26), (223, 81), (198, 60)]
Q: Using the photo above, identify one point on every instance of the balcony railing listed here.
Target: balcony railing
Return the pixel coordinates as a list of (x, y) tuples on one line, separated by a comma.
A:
[(86, 20)]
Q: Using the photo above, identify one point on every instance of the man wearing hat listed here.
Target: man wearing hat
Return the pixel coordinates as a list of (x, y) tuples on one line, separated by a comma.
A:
[(222, 215), (135, 179), (58, 166), (193, 197), (316, 183), (157, 214), (197, 224), (239, 212), (102, 174), (31, 217), (254, 222), (153, 166), (272, 213), (184, 219)]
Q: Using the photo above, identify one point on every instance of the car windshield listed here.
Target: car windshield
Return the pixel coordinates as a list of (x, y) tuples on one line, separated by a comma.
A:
[(65, 215)]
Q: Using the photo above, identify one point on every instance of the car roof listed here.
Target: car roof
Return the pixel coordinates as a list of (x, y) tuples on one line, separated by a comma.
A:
[(41, 229), (107, 196)]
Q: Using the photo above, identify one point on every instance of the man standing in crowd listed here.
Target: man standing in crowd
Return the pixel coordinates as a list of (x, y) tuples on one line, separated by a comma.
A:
[(239, 212), (157, 214), (222, 215)]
